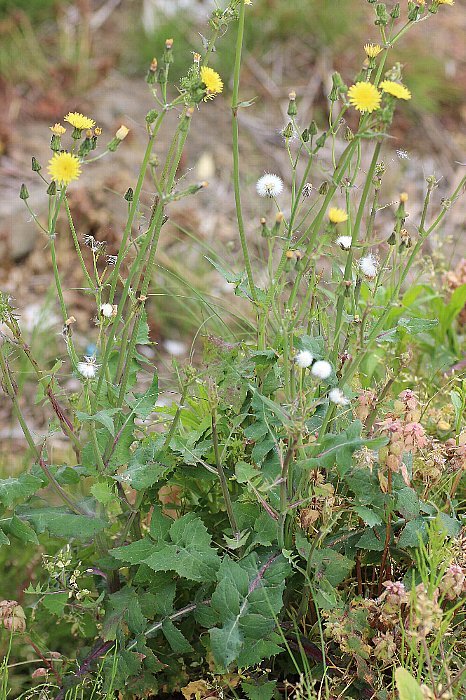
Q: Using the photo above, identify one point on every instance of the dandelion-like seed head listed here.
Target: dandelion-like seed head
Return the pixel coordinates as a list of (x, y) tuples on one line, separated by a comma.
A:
[(398, 90), (106, 310), (321, 369), (337, 397), (212, 81), (304, 359), (57, 129), (369, 266), (79, 121), (337, 216), (372, 50), (344, 242), (64, 167), (269, 185), (364, 97), (88, 368)]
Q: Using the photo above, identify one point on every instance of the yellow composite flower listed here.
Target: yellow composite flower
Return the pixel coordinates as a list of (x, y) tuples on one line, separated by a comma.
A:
[(364, 97), (372, 50), (79, 121), (337, 216), (212, 81), (64, 168), (446, 2), (57, 129), (396, 89)]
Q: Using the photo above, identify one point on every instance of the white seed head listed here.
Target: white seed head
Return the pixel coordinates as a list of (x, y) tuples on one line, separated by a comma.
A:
[(304, 359), (337, 396), (369, 266), (344, 242), (269, 185), (106, 310), (321, 369), (88, 368)]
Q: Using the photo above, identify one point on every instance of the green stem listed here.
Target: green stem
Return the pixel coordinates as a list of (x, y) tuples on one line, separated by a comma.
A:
[(235, 134), (222, 478)]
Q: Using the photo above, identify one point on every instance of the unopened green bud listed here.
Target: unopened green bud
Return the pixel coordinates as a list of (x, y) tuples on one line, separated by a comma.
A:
[(392, 238), (76, 134), (35, 165), (414, 11), (52, 188), (151, 116), (129, 194), (321, 140), (265, 231), (288, 131), (305, 136), (333, 94), (349, 136), (151, 76), (382, 15), (23, 193), (395, 13), (292, 109), (312, 128), (277, 225), (323, 189), (85, 148), (55, 142)]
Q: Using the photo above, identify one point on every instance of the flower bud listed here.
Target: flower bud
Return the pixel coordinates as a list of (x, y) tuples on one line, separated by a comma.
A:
[(395, 13), (151, 116), (129, 194), (292, 109), (151, 76), (52, 189), (23, 193), (35, 165), (323, 189)]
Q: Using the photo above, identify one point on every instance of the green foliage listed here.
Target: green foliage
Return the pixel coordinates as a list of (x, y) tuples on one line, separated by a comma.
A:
[(297, 495)]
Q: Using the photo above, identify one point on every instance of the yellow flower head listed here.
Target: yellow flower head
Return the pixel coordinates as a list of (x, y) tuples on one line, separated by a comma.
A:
[(57, 129), (396, 89), (64, 168), (79, 121), (446, 2), (372, 50), (337, 216), (364, 97), (212, 82)]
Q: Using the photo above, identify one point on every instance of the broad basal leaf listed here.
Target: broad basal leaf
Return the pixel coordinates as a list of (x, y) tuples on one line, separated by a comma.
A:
[(247, 599)]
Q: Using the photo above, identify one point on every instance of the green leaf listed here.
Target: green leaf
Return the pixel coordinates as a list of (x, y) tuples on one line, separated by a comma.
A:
[(103, 492), (372, 540), (55, 603), (123, 606), (262, 691), (329, 564), (449, 525), (22, 530), (62, 524), (147, 465), (407, 686), (413, 533), (315, 345), (245, 472), (175, 638), (368, 515), (103, 417), (143, 404), (3, 538), (190, 553), (407, 503), (247, 598), (416, 325), (186, 548), (18, 488), (134, 553)]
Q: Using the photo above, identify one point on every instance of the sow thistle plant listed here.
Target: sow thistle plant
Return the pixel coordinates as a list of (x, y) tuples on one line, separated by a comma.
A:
[(292, 524)]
